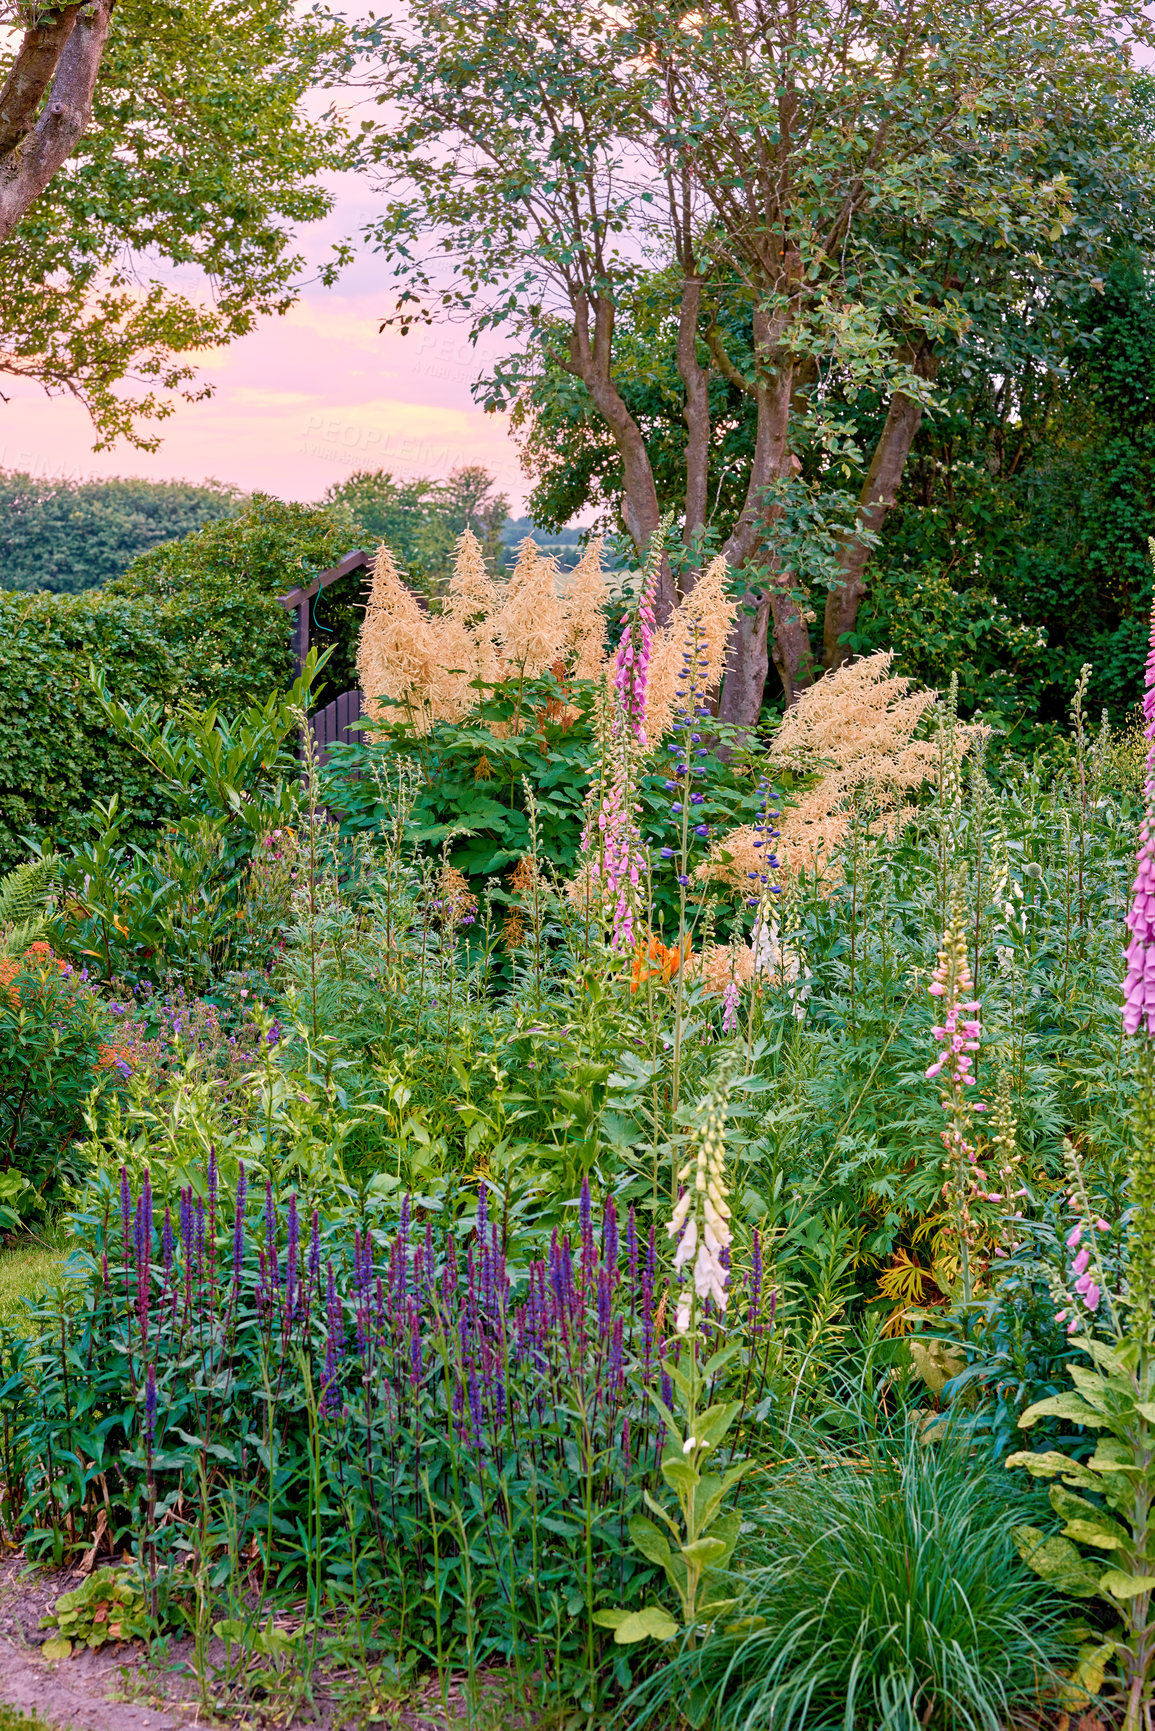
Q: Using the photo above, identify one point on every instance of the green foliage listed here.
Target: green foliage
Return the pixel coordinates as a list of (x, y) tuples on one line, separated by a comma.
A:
[(420, 520), (216, 592), (56, 757), (56, 1052), (67, 535), (25, 895), (214, 183), (881, 1590), (936, 630), (230, 782), (111, 1605), (194, 622)]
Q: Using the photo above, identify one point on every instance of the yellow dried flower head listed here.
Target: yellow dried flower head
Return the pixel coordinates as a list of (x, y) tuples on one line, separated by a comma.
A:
[(723, 963), (531, 624), (857, 726), (711, 611), (473, 594), (487, 632), (394, 653), (585, 624)]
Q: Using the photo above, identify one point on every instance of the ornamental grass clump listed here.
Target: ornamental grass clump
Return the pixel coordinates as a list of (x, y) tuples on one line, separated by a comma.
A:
[(879, 1589)]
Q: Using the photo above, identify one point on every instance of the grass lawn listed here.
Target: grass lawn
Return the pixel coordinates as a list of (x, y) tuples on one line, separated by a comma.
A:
[(27, 1267)]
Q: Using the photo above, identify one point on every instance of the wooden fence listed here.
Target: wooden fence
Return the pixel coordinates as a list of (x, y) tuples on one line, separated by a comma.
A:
[(332, 725)]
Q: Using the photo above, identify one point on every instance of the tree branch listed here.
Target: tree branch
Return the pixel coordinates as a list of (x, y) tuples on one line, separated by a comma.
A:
[(40, 150), (36, 61), (879, 491), (695, 409)]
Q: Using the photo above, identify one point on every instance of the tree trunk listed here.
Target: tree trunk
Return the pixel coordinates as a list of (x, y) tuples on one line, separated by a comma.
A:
[(66, 47), (879, 491), (592, 361), (696, 410), (748, 655)]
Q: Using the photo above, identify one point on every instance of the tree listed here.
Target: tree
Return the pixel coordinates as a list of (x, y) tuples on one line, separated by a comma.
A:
[(422, 519), (166, 133), (69, 536), (221, 584), (858, 190)]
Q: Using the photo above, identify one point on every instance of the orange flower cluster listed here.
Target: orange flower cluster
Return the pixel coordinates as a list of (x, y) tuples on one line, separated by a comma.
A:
[(657, 961), (112, 1053), (36, 955)]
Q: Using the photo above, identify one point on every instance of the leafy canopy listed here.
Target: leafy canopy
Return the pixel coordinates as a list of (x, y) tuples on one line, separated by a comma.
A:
[(198, 166)]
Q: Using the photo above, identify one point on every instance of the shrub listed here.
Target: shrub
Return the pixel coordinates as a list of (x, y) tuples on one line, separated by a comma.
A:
[(56, 756), (216, 592), (56, 1047)]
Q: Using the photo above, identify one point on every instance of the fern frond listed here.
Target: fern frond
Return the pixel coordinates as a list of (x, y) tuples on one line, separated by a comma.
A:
[(27, 891)]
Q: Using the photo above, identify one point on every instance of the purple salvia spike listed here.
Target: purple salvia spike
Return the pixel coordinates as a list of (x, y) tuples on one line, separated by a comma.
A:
[(429, 1262), (617, 1367), (610, 1244), (200, 1239), (415, 1366), (475, 1406), (166, 1245), (604, 1302), (586, 1222), (146, 1209), (315, 1251), (291, 1252), (632, 1247), (755, 1286), (627, 1461), (150, 1408)]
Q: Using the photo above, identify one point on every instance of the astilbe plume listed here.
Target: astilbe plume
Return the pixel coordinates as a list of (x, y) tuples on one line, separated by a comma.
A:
[(487, 632), (701, 625), (857, 726)]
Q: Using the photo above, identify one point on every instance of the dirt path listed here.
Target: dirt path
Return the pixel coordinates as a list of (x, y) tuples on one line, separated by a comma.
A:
[(72, 1695)]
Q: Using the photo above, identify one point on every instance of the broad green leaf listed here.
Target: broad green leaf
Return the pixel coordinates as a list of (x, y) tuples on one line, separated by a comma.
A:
[(647, 1539), (1057, 1561), (610, 1619), (1092, 1666), (1087, 1523), (59, 1647), (1069, 1406), (652, 1624), (1051, 1464), (679, 1473), (705, 1552), (1124, 1586)]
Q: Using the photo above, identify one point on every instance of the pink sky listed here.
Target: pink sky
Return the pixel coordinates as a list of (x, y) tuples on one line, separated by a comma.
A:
[(301, 402)]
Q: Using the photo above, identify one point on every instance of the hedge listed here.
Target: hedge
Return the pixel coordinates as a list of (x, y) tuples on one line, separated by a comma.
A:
[(195, 620), (56, 757)]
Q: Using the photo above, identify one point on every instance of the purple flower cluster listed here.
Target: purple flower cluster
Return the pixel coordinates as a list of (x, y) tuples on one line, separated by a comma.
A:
[(422, 1329), (1139, 982)]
